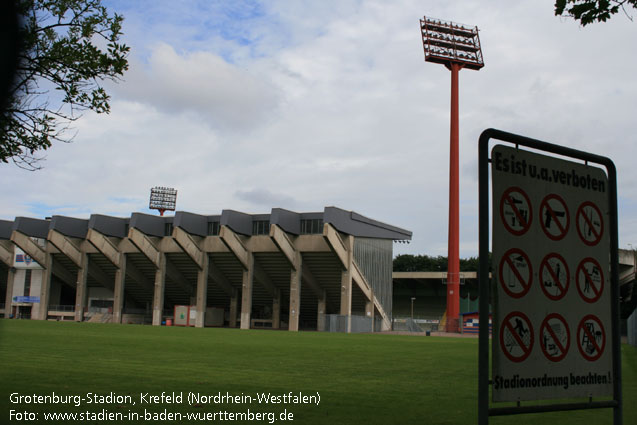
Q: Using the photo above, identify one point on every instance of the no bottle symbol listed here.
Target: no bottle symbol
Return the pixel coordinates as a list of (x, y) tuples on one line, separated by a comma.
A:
[(516, 336), (591, 337), (515, 273), (590, 224), (554, 217), (515, 211), (554, 276), (590, 280), (555, 337)]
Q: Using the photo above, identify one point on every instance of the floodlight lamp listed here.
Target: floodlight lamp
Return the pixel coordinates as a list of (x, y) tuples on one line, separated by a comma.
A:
[(163, 199), (449, 43)]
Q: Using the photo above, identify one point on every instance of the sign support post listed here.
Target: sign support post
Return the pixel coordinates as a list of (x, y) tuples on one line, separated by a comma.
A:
[(589, 327)]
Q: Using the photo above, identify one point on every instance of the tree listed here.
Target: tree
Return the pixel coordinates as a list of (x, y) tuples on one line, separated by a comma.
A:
[(68, 49), (589, 11), (425, 263)]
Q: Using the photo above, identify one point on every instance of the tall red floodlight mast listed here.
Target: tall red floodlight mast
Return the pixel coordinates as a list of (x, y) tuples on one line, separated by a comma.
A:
[(456, 46)]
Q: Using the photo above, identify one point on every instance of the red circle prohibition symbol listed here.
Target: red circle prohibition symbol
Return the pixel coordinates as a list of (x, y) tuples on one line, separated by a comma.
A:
[(588, 338), (519, 215), (552, 219), (554, 276), (585, 280), (517, 279), (588, 221), (550, 342), (516, 334)]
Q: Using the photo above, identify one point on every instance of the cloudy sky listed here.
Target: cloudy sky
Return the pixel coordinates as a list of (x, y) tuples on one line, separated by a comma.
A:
[(250, 105)]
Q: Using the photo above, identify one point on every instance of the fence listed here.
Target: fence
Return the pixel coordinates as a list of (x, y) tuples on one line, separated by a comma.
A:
[(407, 325), (632, 329), (55, 307), (358, 324)]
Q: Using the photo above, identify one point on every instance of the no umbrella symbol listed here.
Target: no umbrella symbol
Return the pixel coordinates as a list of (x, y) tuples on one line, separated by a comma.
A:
[(591, 337), (515, 211), (515, 273), (554, 217), (554, 276), (555, 337), (590, 224), (516, 336), (590, 280)]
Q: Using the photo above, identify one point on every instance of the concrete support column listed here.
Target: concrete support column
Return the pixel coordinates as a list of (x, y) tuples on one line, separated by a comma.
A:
[(320, 319), (8, 305), (346, 297), (80, 288), (160, 284), (276, 310), (45, 288), (202, 291), (346, 282), (295, 295), (118, 289), (246, 292), (234, 301), (369, 310)]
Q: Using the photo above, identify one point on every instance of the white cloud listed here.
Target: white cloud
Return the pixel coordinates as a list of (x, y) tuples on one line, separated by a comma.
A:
[(225, 96), (332, 104)]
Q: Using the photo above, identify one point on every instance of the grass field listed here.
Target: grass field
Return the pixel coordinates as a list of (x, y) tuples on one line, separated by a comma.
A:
[(361, 379)]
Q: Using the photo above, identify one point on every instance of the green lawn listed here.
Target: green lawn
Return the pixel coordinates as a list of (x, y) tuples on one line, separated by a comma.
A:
[(361, 379)]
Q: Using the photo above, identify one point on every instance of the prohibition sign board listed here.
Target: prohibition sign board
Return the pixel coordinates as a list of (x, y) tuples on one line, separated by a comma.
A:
[(515, 211), (516, 336), (590, 280), (591, 337), (554, 217), (590, 224), (555, 337), (515, 273), (554, 276)]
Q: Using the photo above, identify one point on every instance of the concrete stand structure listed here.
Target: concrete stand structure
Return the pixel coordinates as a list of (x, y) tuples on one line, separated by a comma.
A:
[(283, 270)]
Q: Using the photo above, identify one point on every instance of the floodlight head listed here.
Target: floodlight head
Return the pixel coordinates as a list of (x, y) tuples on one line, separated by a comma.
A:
[(163, 199), (449, 43)]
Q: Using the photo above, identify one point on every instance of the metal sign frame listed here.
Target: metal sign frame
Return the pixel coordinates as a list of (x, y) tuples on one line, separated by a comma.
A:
[(484, 408)]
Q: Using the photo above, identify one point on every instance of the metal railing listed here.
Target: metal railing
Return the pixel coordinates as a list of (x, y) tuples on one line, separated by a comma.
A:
[(54, 307), (339, 323)]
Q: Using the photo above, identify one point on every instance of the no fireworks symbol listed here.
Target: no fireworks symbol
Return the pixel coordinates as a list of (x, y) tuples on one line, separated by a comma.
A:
[(590, 223)]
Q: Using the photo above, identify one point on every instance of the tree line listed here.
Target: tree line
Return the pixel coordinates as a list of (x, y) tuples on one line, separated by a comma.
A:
[(426, 263)]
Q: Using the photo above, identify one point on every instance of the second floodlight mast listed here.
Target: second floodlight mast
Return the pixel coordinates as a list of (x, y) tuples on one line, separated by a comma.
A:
[(163, 199), (456, 46)]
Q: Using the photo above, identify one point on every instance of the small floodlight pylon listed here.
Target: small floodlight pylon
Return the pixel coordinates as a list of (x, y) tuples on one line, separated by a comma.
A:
[(163, 199), (456, 46)]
